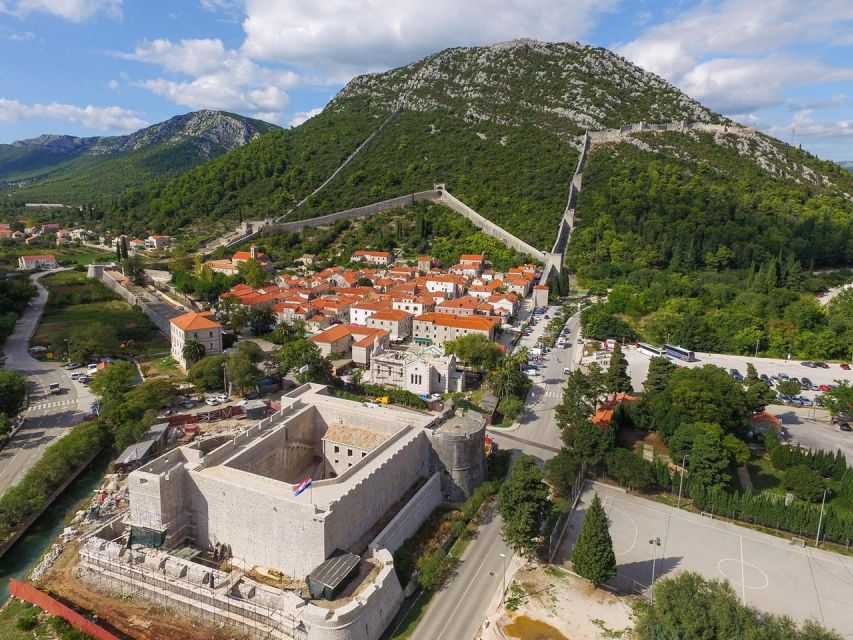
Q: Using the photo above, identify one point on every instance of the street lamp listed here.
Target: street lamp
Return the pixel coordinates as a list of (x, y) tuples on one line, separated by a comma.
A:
[(503, 577), (68, 348), (820, 521), (655, 542), (224, 380), (681, 482)]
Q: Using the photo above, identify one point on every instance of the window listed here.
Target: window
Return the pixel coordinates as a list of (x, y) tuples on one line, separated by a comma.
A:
[(364, 454), (349, 453), (337, 449)]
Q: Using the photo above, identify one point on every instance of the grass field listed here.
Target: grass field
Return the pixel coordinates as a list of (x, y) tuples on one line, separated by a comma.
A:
[(76, 300), (66, 255), (16, 609)]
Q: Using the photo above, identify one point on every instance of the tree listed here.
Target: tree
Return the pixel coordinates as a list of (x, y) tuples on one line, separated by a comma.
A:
[(113, 381), (206, 374), (252, 350), (629, 469), (476, 351), (805, 483), (123, 246), (13, 393), (524, 505), (738, 449), (285, 332), (511, 407), (839, 401), (134, 269), (592, 556), (709, 462), (789, 387), (758, 395), (232, 314), (580, 397), (241, 372), (561, 472), (298, 355), (252, 272), (433, 568), (260, 320), (192, 351), (660, 372), (587, 441), (89, 341), (617, 379), (706, 394), (507, 380)]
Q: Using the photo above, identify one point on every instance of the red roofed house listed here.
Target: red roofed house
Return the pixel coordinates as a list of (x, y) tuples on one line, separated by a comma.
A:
[(350, 339), (35, 263), (242, 256), (397, 323), (195, 326), (604, 414), (437, 328), (372, 257), (464, 306), (424, 263)]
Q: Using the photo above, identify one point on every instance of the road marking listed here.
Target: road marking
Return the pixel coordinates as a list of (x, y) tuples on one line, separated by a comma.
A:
[(50, 405), (742, 572), (487, 556)]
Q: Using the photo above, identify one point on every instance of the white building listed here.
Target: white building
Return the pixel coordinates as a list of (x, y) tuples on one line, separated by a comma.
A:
[(37, 263), (427, 372)]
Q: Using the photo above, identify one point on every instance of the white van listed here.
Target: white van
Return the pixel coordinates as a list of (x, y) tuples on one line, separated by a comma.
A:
[(567, 370)]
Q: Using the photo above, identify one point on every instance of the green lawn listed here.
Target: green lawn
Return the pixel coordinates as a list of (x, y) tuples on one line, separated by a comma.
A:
[(765, 477), (16, 609), (413, 616), (76, 300), (66, 255)]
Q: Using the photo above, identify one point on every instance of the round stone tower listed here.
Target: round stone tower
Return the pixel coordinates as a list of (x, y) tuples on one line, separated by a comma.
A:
[(459, 445)]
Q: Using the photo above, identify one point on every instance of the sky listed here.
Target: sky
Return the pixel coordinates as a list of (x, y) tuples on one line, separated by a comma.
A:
[(101, 67)]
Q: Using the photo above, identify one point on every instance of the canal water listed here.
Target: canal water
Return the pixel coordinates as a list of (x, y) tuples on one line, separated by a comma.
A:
[(22, 557)]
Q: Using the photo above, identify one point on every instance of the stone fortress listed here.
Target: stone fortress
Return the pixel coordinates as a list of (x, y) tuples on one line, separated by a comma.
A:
[(214, 524)]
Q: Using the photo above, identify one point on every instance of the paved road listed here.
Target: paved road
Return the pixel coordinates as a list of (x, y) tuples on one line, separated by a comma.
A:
[(458, 610), (810, 427), (48, 417)]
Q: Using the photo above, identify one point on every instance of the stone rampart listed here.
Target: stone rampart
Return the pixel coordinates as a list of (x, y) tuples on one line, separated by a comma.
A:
[(258, 610), (410, 518)]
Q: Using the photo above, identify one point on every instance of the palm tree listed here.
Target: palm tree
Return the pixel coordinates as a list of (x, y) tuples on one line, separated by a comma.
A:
[(193, 351), (507, 379)]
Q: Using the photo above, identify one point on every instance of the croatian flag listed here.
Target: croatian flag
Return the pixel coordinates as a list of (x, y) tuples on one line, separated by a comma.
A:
[(302, 486)]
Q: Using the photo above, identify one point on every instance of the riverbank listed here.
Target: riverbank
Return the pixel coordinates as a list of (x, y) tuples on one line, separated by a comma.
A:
[(24, 554)]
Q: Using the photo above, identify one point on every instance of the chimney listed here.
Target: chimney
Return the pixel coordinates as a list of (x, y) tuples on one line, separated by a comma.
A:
[(253, 251)]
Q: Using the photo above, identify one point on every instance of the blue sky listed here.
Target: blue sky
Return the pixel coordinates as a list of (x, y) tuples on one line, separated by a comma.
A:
[(95, 67)]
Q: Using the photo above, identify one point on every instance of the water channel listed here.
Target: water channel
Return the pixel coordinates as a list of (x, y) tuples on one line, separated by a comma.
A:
[(25, 554)]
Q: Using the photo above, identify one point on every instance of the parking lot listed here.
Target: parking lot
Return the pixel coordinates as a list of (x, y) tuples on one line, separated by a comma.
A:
[(766, 572)]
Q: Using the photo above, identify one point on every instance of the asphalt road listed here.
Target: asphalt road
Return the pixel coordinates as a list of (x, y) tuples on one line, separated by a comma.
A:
[(47, 417), (458, 610), (810, 427)]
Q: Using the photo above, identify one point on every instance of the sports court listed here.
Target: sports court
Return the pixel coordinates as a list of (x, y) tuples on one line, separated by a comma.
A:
[(769, 573)]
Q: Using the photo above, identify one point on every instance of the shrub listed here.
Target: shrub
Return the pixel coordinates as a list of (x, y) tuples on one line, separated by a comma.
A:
[(27, 621), (805, 483)]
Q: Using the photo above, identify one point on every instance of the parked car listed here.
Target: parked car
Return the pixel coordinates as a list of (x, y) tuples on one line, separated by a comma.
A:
[(845, 366), (532, 372), (222, 397), (77, 376), (845, 426), (764, 378), (187, 404), (211, 402), (806, 384), (818, 401), (70, 366), (567, 370), (821, 365), (805, 402), (809, 364), (823, 387), (734, 373)]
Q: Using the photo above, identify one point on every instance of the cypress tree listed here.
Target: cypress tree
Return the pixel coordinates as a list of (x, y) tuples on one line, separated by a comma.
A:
[(593, 557), (617, 378)]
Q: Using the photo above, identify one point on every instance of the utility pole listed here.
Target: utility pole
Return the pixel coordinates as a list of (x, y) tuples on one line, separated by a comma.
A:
[(655, 542), (820, 521), (681, 482), (756, 346), (503, 578)]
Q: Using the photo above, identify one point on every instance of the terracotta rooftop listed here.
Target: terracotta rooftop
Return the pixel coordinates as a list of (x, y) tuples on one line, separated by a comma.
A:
[(193, 321)]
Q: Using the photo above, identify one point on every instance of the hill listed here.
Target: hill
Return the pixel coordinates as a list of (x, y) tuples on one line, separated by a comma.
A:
[(499, 125), (76, 170)]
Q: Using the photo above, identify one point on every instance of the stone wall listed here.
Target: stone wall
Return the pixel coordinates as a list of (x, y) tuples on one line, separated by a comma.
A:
[(410, 518), (258, 610), (111, 281)]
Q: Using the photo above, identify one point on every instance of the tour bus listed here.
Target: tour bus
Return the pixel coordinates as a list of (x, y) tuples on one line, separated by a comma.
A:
[(674, 351), (648, 350)]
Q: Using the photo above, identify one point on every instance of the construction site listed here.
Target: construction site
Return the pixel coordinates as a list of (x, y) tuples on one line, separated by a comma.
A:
[(285, 530)]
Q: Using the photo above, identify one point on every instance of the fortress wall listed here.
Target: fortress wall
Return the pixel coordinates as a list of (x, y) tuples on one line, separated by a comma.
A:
[(410, 518), (371, 497)]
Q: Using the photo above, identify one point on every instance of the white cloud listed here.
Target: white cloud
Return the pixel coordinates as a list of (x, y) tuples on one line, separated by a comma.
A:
[(98, 118), (302, 116), (73, 10), (377, 34), (23, 37), (735, 55), (114, 85), (218, 78), (803, 125)]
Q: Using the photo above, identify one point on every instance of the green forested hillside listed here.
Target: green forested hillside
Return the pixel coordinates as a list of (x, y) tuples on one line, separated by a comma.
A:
[(709, 250), (75, 171)]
